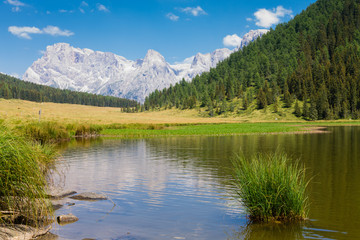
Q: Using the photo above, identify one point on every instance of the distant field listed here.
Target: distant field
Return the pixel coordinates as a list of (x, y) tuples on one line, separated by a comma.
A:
[(19, 110), (158, 123)]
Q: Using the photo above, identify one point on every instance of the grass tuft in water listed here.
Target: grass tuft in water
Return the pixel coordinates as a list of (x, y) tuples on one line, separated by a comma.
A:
[(23, 170), (271, 187)]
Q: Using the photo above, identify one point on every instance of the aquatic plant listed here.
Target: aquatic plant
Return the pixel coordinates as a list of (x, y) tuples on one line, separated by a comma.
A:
[(23, 170), (271, 187)]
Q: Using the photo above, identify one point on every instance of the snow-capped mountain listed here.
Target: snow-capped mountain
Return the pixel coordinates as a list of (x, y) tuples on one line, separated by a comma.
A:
[(251, 36), (63, 66)]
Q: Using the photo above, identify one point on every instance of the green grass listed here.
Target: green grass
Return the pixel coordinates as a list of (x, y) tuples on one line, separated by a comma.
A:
[(23, 171), (271, 187), (201, 129)]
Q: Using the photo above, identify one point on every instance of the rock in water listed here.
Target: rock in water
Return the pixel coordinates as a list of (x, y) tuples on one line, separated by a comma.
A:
[(60, 195), (89, 196), (66, 219)]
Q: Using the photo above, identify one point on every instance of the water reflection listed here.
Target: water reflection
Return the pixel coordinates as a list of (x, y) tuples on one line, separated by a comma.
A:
[(181, 187), (269, 231)]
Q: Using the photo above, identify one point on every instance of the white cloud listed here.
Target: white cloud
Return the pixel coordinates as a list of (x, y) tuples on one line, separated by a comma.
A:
[(56, 31), (232, 40), (172, 17), (194, 11), (16, 3), (101, 7), (267, 18), (249, 19), (66, 11), (84, 4), (25, 32)]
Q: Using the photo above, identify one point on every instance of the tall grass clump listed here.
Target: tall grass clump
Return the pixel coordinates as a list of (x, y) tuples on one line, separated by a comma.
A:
[(23, 170), (45, 132), (271, 187), (84, 130)]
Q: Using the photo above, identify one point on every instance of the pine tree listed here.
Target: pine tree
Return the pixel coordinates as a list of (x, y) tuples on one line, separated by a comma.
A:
[(297, 111), (313, 113), (261, 99), (245, 103), (287, 96), (305, 110), (276, 105)]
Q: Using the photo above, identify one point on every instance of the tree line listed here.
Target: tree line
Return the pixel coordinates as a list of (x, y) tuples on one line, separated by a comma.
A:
[(13, 88)]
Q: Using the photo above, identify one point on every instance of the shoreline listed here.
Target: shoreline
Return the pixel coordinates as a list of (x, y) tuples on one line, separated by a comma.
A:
[(141, 133)]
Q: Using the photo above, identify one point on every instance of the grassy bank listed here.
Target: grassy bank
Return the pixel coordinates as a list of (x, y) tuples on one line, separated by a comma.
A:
[(271, 187), (23, 171), (130, 131)]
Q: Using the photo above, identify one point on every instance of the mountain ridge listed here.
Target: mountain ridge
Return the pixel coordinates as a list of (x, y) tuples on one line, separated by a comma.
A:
[(66, 67)]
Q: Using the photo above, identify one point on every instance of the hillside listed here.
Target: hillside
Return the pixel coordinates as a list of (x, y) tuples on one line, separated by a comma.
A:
[(13, 88), (308, 64)]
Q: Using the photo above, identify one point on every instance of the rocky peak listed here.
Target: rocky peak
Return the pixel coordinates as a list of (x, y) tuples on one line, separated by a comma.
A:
[(252, 36), (154, 57)]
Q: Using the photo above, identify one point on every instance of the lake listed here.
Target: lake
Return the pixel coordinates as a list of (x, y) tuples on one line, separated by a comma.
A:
[(180, 187)]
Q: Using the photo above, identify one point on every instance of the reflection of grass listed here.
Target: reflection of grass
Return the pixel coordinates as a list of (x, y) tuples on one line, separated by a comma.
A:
[(270, 187), (269, 231), (23, 166), (202, 129)]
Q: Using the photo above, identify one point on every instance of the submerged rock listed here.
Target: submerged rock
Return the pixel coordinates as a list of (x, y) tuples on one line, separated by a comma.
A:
[(57, 206), (61, 195), (66, 219), (89, 196)]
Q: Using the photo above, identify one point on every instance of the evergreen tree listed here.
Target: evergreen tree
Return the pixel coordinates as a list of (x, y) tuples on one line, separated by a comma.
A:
[(305, 110), (261, 99), (297, 111), (245, 103)]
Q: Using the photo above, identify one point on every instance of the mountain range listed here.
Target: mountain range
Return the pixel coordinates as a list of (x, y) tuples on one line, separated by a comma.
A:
[(104, 73)]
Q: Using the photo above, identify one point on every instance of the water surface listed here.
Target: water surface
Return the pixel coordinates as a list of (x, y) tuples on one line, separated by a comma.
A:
[(180, 187)]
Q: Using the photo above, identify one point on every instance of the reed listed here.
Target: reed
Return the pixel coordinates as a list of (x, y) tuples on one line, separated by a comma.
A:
[(271, 187), (23, 171), (85, 130), (44, 132)]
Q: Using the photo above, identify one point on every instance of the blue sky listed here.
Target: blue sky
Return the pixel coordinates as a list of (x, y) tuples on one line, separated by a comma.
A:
[(176, 28)]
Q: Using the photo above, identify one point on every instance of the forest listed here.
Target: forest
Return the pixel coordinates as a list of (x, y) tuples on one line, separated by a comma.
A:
[(13, 88), (309, 64)]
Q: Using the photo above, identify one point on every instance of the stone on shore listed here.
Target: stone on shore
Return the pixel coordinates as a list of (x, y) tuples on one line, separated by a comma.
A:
[(21, 232)]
